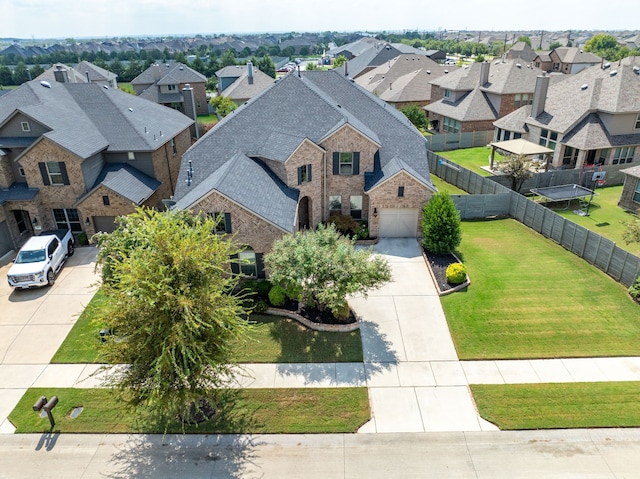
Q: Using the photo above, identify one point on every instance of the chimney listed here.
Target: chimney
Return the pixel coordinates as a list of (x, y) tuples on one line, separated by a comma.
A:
[(88, 79), (190, 109), (484, 72), (61, 74), (346, 68), (250, 72), (539, 95)]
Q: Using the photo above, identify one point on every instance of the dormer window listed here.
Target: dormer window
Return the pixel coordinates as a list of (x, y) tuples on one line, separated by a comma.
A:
[(637, 127), (25, 126), (171, 87), (447, 94)]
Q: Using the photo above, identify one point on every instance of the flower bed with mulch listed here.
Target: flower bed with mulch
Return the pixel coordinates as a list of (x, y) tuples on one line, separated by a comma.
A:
[(438, 264)]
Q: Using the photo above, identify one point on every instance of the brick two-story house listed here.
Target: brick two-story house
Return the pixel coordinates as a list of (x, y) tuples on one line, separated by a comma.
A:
[(165, 83), (472, 98), (77, 155), (568, 60), (310, 145), (590, 118)]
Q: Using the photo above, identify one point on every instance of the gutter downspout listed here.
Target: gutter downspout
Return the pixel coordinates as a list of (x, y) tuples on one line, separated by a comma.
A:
[(324, 186)]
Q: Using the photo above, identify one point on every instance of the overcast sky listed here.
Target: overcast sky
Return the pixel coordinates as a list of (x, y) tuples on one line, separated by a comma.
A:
[(115, 18)]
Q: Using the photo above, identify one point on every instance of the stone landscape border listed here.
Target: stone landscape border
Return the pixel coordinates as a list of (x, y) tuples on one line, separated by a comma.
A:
[(458, 287), (330, 328)]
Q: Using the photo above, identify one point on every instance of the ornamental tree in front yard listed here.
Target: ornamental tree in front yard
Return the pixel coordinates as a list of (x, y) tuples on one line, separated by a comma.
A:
[(170, 310), (441, 231), (320, 268)]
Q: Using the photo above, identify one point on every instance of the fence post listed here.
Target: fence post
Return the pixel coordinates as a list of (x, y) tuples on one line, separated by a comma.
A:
[(610, 258)]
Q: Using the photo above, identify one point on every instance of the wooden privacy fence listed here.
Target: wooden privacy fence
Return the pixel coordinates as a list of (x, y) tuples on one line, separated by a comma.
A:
[(454, 141), (490, 199)]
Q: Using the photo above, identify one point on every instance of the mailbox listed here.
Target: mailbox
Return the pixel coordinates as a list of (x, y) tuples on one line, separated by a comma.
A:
[(40, 403), (51, 404)]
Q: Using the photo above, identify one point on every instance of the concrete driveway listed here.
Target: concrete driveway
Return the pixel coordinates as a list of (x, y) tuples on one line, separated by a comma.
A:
[(416, 383), (33, 324)]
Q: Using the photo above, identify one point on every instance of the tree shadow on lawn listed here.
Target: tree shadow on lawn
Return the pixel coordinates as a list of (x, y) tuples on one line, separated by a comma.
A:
[(377, 351)]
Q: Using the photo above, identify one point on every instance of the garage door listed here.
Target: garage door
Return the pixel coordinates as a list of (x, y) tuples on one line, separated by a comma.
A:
[(398, 223), (104, 224)]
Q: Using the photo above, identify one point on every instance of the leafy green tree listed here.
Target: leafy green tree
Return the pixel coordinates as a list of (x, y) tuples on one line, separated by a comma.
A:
[(441, 231), (605, 46), (304, 51), (36, 70), (312, 65), (555, 45), (525, 39), (198, 65), (170, 310), (324, 267), (267, 66), (518, 168), (5, 75), (228, 58), (416, 115), (480, 58), (223, 105), (20, 74), (339, 61)]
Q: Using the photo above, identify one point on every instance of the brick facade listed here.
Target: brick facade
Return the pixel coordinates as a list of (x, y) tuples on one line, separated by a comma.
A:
[(386, 196), (308, 154), (166, 164), (628, 190), (247, 229)]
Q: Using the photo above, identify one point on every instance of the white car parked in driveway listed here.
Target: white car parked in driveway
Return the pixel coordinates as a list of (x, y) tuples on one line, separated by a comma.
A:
[(40, 259)]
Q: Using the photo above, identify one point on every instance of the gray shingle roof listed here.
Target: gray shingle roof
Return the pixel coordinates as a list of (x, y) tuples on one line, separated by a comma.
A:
[(473, 106), (251, 184), (95, 72), (241, 89), (576, 55), (633, 171), (17, 192), (168, 74), (274, 123), (88, 118), (126, 181)]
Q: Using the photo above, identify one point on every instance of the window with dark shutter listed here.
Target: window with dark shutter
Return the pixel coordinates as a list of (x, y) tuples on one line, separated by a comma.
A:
[(44, 173), (336, 163), (227, 223), (356, 162)]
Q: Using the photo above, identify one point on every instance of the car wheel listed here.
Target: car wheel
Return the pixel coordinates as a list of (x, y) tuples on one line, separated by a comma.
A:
[(70, 249), (51, 278)]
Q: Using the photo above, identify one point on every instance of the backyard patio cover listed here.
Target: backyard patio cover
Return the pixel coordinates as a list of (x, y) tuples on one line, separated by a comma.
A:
[(519, 146)]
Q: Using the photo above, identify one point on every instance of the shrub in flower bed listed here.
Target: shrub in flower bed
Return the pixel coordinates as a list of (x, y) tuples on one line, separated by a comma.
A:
[(456, 273)]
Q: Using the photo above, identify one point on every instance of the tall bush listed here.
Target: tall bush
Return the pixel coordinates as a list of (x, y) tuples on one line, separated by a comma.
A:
[(441, 225)]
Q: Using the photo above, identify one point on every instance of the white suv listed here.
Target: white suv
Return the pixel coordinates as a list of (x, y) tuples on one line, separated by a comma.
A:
[(38, 262)]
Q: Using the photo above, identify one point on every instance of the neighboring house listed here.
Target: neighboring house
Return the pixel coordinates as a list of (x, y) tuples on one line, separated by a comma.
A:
[(83, 72), (77, 155), (404, 80), (567, 60), (589, 118), (376, 55), (522, 51), (164, 84), (353, 49), (630, 196), (436, 55), (307, 147), (472, 98), (632, 42), (247, 82)]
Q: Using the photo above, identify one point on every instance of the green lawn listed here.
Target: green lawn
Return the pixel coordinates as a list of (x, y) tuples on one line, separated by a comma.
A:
[(249, 411), (272, 339), (207, 119), (530, 298), (605, 217), (559, 406), (471, 158), (445, 187)]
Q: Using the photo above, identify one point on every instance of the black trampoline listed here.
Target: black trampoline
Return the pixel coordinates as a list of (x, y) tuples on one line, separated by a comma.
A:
[(563, 193)]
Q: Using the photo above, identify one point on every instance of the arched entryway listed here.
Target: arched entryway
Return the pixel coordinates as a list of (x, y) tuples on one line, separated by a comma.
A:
[(304, 213)]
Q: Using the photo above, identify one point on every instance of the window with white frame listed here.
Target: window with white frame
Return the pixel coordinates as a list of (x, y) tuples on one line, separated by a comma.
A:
[(131, 155), (548, 138), (335, 204), (637, 127), (54, 170), (171, 87), (346, 163), (636, 193), (570, 156), (623, 155), (355, 207), (448, 94), (248, 263), (304, 174), (450, 125), (21, 171), (25, 126), (602, 156)]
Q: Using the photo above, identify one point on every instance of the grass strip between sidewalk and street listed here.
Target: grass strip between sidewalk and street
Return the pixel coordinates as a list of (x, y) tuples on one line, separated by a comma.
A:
[(246, 411), (272, 339), (531, 298), (559, 406)]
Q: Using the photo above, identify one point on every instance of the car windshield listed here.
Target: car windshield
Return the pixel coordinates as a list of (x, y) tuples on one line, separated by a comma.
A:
[(30, 256)]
